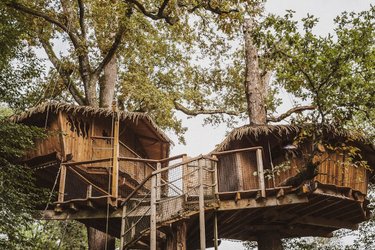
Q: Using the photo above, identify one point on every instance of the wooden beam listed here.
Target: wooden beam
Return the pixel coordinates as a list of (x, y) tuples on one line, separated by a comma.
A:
[(247, 203), (326, 222), (123, 228), (153, 214), (262, 184), (202, 227), (236, 151), (158, 182), (116, 152), (79, 215), (61, 136), (61, 194), (216, 232)]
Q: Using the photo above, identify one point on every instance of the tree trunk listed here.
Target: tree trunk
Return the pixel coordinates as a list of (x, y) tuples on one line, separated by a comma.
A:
[(97, 240), (270, 240), (177, 239), (255, 87), (107, 84)]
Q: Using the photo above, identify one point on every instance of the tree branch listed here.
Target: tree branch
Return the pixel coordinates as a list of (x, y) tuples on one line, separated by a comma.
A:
[(112, 51), (82, 18), (290, 112), (192, 112), (63, 72), (217, 10), (160, 12), (27, 10)]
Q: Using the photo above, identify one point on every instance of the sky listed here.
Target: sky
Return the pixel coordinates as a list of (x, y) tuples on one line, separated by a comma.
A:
[(201, 140)]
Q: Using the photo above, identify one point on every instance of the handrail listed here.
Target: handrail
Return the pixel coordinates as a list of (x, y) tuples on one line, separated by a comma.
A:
[(236, 150), (162, 170), (151, 160), (184, 163), (89, 182), (86, 162)]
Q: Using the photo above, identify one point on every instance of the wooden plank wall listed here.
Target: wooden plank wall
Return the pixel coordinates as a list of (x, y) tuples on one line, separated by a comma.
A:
[(49, 145), (337, 171)]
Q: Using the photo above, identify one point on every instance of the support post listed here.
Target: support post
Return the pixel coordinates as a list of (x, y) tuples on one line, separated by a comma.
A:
[(114, 190), (158, 182), (216, 177), (89, 191), (153, 214), (270, 240), (262, 184), (60, 197), (123, 228), (202, 229), (216, 232)]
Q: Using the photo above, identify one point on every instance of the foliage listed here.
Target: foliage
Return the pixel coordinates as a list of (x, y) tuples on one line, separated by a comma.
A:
[(332, 72), (170, 55), (18, 195)]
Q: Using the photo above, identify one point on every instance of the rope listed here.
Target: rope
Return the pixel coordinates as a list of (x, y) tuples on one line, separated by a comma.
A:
[(51, 193)]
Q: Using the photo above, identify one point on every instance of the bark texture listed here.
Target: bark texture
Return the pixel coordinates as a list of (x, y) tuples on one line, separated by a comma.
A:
[(177, 239), (270, 240), (97, 240), (107, 84), (255, 85)]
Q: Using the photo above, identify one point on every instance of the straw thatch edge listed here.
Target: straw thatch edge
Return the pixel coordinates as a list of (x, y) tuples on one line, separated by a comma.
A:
[(256, 131), (87, 111)]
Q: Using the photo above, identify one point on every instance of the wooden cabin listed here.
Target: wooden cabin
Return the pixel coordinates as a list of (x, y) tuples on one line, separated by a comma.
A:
[(282, 158), (81, 147), (263, 165)]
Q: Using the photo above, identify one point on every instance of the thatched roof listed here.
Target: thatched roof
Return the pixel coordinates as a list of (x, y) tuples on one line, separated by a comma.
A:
[(256, 132), (86, 111)]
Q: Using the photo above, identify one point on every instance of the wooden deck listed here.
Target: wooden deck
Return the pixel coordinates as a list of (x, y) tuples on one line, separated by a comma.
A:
[(312, 210)]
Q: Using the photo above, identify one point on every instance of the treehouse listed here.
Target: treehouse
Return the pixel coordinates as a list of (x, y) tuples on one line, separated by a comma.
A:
[(88, 152), (314, 189), (112, 172)]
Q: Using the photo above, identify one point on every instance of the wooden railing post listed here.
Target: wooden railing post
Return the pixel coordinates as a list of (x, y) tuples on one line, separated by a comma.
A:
[(153, 214), (115, 167), (262, 184), (158, 181), (216, 232), (123, 228), (216, 177), (60, 197), (202, 227)]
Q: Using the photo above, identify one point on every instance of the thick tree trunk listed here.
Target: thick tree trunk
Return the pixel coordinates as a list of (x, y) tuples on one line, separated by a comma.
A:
[(97, 240), (270, 240), (177, 240), (107, 84), (255, 86)]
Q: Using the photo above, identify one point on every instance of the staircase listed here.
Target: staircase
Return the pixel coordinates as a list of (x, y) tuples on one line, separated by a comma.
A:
[(175, 192)]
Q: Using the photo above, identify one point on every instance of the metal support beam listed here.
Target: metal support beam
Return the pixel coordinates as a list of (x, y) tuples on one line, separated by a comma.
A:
[(202, 229)]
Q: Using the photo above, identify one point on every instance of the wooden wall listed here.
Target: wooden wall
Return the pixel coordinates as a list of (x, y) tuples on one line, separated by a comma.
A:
[(83, 139), (335, 170), (236, 171)]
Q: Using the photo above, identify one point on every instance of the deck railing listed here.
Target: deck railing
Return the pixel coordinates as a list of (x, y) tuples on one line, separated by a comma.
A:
[(190, 184)]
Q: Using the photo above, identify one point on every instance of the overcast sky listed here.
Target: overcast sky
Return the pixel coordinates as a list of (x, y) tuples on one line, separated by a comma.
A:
[(201, 140)]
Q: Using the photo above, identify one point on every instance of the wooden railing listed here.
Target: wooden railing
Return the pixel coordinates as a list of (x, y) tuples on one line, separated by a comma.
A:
[(190, 182)]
